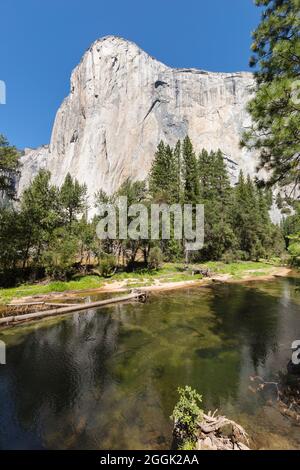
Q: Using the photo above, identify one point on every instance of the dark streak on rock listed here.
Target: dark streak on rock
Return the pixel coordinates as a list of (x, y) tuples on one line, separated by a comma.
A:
[(151, 108), (160, 83)]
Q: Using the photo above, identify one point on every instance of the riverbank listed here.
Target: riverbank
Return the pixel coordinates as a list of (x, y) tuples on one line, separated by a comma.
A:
[(170, 276)]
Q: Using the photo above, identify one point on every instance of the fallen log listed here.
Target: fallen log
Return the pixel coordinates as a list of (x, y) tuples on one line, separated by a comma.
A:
[(53, 304), (33, 304), (73, 308), (23, 304)]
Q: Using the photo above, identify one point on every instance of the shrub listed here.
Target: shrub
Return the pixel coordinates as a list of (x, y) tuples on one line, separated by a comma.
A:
[(188, 444), (107, 265), (294, 250), (187, 410), (231, 256), (155, 258), (228, 257)]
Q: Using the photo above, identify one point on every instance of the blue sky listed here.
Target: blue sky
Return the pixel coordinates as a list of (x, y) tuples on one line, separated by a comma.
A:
[(41, 41)]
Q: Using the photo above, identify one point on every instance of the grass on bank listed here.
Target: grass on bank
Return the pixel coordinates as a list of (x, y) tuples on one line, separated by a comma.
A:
[(170, 272), (235, 269), (82, 283)]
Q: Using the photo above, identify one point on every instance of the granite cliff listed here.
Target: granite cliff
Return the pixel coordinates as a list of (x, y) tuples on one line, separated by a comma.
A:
[(122, 102)]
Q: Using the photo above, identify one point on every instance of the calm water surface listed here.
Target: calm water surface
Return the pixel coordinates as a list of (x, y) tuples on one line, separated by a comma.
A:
[(107, 378)]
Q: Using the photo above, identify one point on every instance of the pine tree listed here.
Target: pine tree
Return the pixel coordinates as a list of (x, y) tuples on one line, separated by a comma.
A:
[(216, 195), (163, 178), (190, 173), (256, 234), (291, 224), (178, 172), (245, 216), (275, 109), (204, 171)]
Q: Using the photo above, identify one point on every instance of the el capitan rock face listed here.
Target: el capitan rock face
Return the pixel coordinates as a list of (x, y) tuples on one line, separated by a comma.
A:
[(122, 102)]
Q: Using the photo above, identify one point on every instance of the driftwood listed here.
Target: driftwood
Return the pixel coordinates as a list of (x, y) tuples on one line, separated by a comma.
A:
[(19, 304), (138, 295), (287, 400), (220, 433), (22, 308), (212, 433)]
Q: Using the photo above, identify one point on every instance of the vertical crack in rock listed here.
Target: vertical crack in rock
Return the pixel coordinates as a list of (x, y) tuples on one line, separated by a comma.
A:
[(74, 137), (106, 154)]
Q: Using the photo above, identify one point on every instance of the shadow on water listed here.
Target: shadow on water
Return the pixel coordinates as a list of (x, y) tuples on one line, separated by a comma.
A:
[(108, 378)]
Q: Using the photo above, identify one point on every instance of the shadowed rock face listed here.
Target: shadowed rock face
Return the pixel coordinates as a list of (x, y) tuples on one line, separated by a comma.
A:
[(122, 102)]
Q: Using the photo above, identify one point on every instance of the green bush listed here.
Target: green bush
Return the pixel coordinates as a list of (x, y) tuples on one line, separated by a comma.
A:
[(107, 265), (188, 444), (228, 257), (187, 410), (232, 256), (294, 250)]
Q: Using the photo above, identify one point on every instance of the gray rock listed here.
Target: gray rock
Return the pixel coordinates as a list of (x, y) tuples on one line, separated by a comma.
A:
[(122, 102)]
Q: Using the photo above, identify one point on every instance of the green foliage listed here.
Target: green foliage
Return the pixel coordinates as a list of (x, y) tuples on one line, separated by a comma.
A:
[(238, 269), (275, 109), (164, 178), (187, 411), (237, 221), (155, 259), (78, 283), (190, 173), (72, 197), (188, 444), (294, 248), (60, 256), (291, 224), (11, 239), (256, 235), (40, 215), (107, 265), (45, 230), (9, 168), (230, 256), (90, 247), (136, 193), (216, 195)]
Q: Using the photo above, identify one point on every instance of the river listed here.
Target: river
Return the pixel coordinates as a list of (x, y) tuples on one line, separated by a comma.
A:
[(107, 378)]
